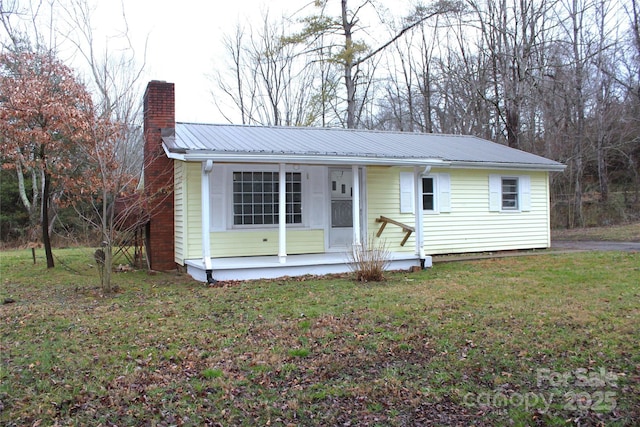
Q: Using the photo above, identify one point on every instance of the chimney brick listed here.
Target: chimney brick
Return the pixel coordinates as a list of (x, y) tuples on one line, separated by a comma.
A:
[(159, 113)]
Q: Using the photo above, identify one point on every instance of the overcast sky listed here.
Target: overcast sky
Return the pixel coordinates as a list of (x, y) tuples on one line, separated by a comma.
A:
[(184, 43), (183, 38)]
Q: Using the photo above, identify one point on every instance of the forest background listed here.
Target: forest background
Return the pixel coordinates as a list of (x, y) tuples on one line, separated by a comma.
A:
[(558, 78)]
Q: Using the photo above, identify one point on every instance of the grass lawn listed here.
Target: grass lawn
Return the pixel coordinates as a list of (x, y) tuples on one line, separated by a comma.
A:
[(541, 340), (620, 233)]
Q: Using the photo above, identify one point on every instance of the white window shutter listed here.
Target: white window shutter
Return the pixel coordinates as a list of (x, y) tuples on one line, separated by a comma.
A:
[(495, 193), (216, 185), (525, 193), (406, 192), (318, 179), (444, 192)]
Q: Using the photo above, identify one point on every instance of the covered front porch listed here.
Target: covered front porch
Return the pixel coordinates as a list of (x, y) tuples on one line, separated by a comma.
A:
[(314, 237), (270, 267)]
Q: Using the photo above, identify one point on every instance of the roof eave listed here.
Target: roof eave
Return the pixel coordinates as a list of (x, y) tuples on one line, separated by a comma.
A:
[(325, 159), (315, 159), (549, 167)]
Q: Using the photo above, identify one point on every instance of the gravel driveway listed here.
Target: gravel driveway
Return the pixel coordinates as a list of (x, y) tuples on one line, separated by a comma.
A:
[(556, 245)]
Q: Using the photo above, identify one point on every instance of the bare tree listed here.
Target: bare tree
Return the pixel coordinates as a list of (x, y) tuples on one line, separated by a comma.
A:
[(353, 54), (424, 70), (116, 137), (512, 34), (242, 89), (265, 81)]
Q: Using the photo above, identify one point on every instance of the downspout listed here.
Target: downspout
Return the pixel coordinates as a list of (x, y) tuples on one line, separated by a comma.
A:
[(207, 167), (419, 226)]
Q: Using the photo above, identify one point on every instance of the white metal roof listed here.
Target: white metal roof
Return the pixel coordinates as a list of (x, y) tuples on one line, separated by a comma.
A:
[(235, 143)]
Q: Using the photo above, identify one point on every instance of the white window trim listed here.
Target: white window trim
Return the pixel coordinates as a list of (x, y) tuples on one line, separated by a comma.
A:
[(230, 214), (441, 194), (495, 193), (518, 193), (228, 185), (436, 199)]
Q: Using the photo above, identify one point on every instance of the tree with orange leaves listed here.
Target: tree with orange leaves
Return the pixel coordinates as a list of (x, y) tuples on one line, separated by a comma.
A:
[(93, 145), (45, 116)]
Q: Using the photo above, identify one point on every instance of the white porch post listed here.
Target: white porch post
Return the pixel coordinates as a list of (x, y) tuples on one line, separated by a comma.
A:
[(419, 173), (282, 215), (207, 166), (356, 206)]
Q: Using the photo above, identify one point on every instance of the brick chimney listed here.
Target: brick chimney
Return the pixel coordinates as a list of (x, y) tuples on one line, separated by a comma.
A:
[(159, 113)]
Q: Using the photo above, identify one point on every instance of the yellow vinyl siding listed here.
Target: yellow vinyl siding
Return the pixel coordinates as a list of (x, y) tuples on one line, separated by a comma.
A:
[(179, 193), (233, 242), (383, 198), (252, 243), (193, 214), (470, 227)]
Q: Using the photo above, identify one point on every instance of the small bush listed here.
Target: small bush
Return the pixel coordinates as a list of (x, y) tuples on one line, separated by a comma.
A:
[(370, 260)]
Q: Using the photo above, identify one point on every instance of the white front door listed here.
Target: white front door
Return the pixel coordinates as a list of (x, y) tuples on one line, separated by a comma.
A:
[(341, 190)]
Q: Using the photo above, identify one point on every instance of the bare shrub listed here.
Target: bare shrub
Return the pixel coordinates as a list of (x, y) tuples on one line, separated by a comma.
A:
[(369, 260)]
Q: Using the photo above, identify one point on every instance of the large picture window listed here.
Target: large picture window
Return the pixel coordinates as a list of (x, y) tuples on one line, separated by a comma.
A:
[(256, 198)]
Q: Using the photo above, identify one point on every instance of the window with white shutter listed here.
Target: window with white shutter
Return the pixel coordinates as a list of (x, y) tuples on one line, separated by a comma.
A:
[(509, 193)]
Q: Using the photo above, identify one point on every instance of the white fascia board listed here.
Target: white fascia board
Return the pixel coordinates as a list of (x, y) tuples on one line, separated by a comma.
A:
[(172, 155), (508, 166), (304, 159), (199, 156)]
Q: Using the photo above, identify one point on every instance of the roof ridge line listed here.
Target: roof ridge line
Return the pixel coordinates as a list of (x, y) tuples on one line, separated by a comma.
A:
[(337, 129)]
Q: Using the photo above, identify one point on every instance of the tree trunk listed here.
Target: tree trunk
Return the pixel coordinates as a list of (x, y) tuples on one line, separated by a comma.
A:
[(348, 68), (107, 268), (636, 178), (108, 236), (32, 206), (46, 240), (579, 108), (602, 171), (578, 214), (513, 126)]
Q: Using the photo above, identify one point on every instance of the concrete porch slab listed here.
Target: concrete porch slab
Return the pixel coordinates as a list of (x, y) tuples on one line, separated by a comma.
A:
[(269, 267)]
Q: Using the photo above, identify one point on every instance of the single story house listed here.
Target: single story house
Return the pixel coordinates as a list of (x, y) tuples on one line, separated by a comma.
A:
[(420, 194)]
